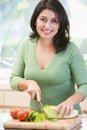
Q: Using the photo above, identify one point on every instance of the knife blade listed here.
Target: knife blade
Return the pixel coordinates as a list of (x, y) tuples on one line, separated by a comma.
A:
[(42, 108)]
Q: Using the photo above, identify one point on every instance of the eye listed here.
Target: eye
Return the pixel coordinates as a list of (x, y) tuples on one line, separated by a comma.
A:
[(43, 20), (54, 21)]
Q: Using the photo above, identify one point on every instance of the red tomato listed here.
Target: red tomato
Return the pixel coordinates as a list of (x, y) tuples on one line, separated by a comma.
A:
[(22, 115), (14, 112)]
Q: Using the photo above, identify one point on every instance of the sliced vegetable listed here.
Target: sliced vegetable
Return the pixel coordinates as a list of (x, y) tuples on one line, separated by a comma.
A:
[(32, 116), (35, 117), (51, 113)]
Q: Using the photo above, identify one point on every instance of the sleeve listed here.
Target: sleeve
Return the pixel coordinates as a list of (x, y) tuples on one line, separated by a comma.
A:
[(79, 70), (18, 69)]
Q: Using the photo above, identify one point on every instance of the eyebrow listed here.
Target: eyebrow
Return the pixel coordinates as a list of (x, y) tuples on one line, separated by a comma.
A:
[(52, 18)]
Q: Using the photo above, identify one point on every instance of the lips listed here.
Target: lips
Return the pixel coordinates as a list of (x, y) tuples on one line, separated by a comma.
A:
[(47, 31)]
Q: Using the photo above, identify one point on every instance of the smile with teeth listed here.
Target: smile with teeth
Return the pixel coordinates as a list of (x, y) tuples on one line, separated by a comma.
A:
[(47, 31)]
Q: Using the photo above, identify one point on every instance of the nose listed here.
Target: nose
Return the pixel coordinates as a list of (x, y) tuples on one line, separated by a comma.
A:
[(47, 24)]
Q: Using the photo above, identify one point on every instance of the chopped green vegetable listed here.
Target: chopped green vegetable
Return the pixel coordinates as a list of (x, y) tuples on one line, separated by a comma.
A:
[(40, 116), (51, 113), (35, 117)]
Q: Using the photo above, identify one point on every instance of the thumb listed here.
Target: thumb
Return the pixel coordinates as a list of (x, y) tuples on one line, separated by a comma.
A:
[(38, 95)]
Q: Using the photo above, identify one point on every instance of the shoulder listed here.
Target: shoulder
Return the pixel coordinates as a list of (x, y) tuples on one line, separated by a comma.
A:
[(72, 48), (27, 43), (73, 52)]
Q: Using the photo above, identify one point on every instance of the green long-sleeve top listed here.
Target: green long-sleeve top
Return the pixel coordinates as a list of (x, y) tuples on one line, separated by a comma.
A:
[(57, 81)]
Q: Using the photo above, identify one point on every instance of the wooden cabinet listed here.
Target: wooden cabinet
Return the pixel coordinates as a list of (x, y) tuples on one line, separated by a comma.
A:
[(13, 99), (10, 98)]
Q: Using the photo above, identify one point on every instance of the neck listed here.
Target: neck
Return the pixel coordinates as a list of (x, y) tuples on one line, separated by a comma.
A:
[(46, 44)]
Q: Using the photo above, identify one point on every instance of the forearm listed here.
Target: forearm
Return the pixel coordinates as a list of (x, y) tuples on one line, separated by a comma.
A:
[(75, 98)]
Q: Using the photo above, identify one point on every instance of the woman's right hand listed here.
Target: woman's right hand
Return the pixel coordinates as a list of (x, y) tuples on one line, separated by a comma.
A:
[(34, 90), (31, 87)]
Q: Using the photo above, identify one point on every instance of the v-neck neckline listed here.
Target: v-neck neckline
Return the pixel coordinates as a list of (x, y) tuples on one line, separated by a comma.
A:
[(37, 66)]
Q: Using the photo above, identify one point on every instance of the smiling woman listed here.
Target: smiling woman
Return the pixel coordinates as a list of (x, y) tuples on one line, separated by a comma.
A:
[(14, 13), (16, 18), (49, 65)]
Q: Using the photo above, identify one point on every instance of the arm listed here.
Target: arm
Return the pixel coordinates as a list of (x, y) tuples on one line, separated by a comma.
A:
[(79, 72), (17, 79), (18, 70)]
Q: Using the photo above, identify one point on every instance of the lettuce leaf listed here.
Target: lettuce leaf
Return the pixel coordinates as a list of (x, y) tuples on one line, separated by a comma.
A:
[(50, 112)]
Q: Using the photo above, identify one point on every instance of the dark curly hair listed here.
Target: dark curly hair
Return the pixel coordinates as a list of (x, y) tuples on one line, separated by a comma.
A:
[(61, 39)]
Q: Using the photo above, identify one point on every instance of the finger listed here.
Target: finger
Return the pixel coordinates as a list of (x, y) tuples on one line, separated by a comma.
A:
[(61, 112), (33, 96), (30, 93), (67, 111), (58, 108), (38, 93)]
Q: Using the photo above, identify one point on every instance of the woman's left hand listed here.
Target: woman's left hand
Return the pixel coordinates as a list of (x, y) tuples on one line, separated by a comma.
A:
[(65, 108)]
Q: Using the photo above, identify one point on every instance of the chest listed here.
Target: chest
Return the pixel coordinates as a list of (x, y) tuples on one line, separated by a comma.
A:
[(55, 70), (44, 59)]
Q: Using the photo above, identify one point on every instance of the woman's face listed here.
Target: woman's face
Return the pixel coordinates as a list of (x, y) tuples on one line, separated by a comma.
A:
[(47, 24)]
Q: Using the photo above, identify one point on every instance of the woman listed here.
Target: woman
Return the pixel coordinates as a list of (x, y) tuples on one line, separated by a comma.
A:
[(49, 65)]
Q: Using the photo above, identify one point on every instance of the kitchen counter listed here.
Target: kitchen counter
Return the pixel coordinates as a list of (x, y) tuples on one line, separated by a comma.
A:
[(6, 116)]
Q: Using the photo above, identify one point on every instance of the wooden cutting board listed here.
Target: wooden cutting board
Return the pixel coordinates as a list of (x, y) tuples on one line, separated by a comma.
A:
[(63, 124)]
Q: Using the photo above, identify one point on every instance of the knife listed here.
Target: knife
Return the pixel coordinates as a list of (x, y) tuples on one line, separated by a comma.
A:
[(42, 108)]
